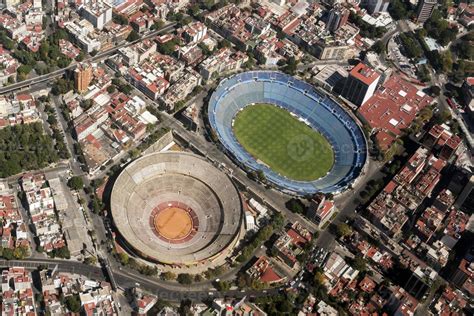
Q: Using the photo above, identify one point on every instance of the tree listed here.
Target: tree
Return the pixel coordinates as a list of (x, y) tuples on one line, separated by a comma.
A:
[(278, 220), (205, 49), (185, 278), (411, 47), (198, 278), (157, 25), (76, 183), (80, 57), (6, 42), (91, 260), (343, 230), (62, 252), (25, 147), (378, 47), (194, 10), (295, 205), (366, 29), (133, 36), (359, 263), (168, 48), (123, 258), (261, 176), (398, 10), (291, 66), (168, 276), (111, 89), (73, 303), (435, 90), (440, 29), (20, 252), (224, 44), (7, 254), (222, 286), (119, 19), (318, 278), (24, 69), (185, 307), (62, 86)]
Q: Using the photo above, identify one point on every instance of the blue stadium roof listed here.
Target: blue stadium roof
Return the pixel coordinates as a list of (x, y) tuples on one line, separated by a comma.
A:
[(300, 98)]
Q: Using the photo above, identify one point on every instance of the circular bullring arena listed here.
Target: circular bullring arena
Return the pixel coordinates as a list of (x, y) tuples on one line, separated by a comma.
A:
[(175, 208), (300, 138)]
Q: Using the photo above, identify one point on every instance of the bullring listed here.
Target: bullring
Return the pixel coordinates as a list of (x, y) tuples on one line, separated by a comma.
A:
[(175, 208)]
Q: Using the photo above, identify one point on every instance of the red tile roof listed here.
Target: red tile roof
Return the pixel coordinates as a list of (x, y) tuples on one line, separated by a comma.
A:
[(364, 74), (393, 108)]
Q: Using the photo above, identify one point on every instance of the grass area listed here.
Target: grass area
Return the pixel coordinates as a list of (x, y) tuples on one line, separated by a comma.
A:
[(279, 140)]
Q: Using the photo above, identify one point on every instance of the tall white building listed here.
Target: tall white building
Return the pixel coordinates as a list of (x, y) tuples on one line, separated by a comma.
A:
[(98, 12), (37, 4), (376, 6)]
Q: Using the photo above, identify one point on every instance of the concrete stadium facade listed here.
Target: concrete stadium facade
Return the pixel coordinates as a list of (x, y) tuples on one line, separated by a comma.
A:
[(302, 100)]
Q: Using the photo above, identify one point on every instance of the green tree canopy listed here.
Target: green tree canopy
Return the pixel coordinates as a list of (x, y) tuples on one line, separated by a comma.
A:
[(76, 183)]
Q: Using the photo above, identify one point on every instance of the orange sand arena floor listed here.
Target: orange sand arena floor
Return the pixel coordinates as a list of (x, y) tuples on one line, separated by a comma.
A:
[(173, 223)]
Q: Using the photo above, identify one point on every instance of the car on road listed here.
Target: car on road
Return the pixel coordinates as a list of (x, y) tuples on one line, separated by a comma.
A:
[(451, 103)]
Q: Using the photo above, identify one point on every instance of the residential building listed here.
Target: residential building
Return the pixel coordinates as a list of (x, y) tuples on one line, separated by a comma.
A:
[(361, 84), (263, 271), (463, 277), (97, 12), (338, 17), (224, 60), (18, 109), (181, 89), (323, 308), (83, 33), (8, 67), (401, 303), (440, 138), (194, 32), (82, 77), (375, 6), (337, 272), (420, 281), (17, 292), (468, 95), (425, 9), (429, 222), (450, 302), (141, 21), (11, 3), (142, 302), (289, 245), (321, 210)]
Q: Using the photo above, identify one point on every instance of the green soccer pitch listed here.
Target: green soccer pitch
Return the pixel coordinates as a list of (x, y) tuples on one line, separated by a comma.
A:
[(279, 140)]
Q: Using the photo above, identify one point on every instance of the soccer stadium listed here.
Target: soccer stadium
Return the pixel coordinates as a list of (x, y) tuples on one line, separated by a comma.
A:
[(175, 208), (306, 144)]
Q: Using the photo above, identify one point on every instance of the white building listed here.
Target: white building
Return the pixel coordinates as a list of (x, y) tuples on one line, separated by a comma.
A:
[(98, 12), (194, 32), (10, 3), (82, 32)]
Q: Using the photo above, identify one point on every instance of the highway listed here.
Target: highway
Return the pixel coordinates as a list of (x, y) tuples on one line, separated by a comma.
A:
[(99, 56), (172, 292)]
